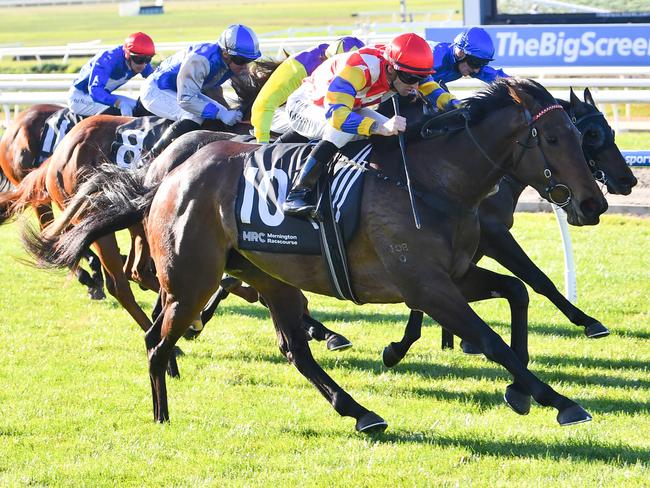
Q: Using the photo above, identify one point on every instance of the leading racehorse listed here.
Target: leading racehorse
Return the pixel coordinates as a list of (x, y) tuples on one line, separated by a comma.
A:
[(514, 125)]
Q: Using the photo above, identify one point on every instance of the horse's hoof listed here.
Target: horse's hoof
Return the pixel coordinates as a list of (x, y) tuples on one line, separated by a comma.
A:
[(193, 331), (596, 330), (518, 401), (469, 348), (574, 414), (371, 423), (337, 342), (172, 367), (96, 293), (390, 357)]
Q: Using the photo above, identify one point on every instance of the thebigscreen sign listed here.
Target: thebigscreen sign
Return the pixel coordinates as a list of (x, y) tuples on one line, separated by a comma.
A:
[(563, 45)]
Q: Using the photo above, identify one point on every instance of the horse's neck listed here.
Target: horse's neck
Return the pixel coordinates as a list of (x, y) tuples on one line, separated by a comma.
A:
[(457, 169)]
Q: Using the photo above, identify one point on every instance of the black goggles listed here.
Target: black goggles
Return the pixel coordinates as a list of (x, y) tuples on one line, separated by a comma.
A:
[(474, 62), (410, 78), (138, 59), (240, 60)]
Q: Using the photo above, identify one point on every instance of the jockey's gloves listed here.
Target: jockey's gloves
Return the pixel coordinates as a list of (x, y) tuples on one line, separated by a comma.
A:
[(229, 117), (126, 105), (392, 126)]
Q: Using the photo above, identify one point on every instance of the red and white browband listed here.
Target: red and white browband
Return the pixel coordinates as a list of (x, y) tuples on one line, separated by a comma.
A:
[(545, 110)]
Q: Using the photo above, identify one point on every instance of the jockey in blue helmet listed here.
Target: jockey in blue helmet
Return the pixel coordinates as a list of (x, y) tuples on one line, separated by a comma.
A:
[(468, 55), (177, 89)]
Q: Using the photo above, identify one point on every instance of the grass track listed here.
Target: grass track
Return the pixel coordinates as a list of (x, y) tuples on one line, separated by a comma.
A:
[(76, 410)]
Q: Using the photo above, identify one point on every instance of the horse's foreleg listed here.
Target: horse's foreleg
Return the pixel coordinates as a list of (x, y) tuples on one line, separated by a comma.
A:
[(286, 307), (317, 331), (505, 250), (446, 304), (481, 284), (395, 351)]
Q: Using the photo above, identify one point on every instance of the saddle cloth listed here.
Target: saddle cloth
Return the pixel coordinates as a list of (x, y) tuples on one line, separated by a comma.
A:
[(136, 138), (56, 127), (263, 187)]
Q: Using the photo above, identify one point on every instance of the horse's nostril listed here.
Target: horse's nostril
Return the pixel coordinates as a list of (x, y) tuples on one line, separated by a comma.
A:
[(592, 208)]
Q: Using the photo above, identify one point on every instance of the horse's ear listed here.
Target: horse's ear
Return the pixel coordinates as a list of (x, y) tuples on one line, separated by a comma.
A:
[(588, 98), (514, 95), (286, 53), (573, 98)]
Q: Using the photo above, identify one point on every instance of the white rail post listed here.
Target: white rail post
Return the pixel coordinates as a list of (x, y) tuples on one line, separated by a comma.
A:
[(570, 284)]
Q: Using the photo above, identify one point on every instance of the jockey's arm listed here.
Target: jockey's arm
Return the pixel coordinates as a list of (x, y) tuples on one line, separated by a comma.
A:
[(488, 74), (438, 96), (216, 94), (339, 101), (99, 76), (282, 83), (189, 82)]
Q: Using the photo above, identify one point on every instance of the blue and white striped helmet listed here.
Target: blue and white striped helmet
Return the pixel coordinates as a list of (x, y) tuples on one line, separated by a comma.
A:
[(239, 40), (475, 42)]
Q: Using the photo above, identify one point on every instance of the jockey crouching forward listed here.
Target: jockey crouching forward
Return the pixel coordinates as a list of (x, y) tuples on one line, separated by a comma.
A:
[(91, 92), (175, 90), (287, 78), (332, 104), (468, 55)]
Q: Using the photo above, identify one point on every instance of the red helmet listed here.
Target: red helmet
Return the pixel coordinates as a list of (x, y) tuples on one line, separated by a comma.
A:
[(139, 43), (410, 53)]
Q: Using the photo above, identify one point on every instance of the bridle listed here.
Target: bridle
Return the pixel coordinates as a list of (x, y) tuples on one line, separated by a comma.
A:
[(558, 193), (590, 150)]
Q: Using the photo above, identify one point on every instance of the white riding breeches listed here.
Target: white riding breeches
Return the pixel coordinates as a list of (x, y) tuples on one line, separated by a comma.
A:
[(308, 120), (83, 104), (164, 103)]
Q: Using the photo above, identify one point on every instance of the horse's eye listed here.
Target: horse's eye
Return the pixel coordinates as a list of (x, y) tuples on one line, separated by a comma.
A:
[(592, 134), (551, 139)]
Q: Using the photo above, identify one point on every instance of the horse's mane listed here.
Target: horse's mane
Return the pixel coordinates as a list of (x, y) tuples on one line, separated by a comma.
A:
[(248, 86)]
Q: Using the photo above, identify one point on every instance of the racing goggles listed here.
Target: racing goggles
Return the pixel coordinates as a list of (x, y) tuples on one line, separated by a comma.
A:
[(240, 60), (410, 78), (474, 62), (139, 59)]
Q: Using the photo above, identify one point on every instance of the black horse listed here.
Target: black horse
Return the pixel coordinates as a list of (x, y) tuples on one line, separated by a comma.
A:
[(496, 215)]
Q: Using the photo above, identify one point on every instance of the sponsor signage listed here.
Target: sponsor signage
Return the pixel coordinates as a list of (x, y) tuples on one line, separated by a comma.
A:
[(637, 158), (562, 45)]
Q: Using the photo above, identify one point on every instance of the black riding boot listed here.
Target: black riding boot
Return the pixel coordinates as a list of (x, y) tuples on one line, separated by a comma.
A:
[(291, 136), (296, 204), (174, 131)]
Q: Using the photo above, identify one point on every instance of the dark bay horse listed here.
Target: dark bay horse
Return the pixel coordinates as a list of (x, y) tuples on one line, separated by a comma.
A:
[(514, 126), (496, 215)]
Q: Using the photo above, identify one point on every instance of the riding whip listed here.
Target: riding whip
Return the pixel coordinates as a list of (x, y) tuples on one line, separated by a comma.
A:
[(402, 147)]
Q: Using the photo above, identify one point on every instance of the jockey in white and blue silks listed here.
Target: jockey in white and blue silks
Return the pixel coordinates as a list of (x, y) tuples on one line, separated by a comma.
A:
[(468, 55), (176, 89), (92, 91)]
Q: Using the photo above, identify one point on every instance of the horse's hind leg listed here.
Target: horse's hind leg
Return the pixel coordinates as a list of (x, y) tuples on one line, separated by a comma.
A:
[(286, 307)]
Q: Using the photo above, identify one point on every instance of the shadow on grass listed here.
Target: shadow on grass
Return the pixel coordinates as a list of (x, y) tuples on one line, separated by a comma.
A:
[(618, 455)]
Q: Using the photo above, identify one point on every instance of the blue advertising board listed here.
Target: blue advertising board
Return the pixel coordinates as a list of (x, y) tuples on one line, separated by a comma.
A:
[(637, 158), (562, 45)]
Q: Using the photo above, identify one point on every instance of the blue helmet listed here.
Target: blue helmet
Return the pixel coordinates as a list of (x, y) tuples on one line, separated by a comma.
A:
[(239, 40), (344, 45), (475, 42)]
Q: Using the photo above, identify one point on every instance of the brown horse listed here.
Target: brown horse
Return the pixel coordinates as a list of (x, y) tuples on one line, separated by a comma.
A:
[(514, 125)]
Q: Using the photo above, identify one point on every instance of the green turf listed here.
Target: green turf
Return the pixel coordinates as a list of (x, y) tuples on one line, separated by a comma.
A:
[(76, 410)]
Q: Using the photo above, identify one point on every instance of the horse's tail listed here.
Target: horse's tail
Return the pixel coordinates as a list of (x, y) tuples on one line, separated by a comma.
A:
[(112, 199), (30, 191)]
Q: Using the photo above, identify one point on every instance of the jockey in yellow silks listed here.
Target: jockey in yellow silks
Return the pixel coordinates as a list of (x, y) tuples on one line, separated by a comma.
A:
[(333, 103), (288, 77)]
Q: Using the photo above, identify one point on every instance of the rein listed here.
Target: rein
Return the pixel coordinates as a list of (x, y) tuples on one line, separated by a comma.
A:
[(558, 193)]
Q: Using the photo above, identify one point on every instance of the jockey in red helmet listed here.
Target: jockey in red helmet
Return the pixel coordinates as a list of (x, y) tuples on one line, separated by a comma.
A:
[(333, 103), (91, 92)]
